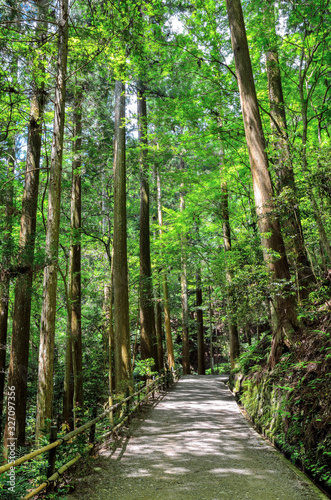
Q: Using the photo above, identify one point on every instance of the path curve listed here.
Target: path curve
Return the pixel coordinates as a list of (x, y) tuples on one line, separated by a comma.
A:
[(196, 445)]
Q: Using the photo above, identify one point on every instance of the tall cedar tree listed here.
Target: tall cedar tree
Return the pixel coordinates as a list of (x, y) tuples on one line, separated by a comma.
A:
[(169, 343), (75, 295), (282, 161), (233, 330), (147, 320), (284, 305), (47, 326), (183, 281), (122, 354), (200, 333), (5, 277), (19, 354)]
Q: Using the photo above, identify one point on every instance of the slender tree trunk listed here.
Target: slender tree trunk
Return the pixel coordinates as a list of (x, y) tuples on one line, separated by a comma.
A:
[(200, 334), (158, 328), (123, 369), (68, 386), (147, 320), (111, 381), (4, 281), (271, 238), (47, 326), (183, 281), (317, 215), (283, 162), (211, 334), (19, 354), (233, 331), (75, 256), (170, 348), (68, 383)]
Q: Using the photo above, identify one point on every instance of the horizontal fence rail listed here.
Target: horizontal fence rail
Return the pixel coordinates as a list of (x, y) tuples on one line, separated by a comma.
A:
[(141, 394)]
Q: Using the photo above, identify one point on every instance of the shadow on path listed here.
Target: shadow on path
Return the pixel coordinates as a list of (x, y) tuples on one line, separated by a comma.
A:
[(196, 445)]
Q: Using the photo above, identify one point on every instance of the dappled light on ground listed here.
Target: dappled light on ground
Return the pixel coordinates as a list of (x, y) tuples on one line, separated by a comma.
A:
[(196, 445)]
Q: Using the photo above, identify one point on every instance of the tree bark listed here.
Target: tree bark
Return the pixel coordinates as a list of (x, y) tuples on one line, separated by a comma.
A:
[(282, 160), (170, 348), (158, 329), (211, 333), (47, 326), (147, 320), (233, 331), (68, 385), (200, 334), (183, 281), (317, 215), (75, 256), (19, 354), (111, 334), (271, 238), (5, 281), (123, 369)]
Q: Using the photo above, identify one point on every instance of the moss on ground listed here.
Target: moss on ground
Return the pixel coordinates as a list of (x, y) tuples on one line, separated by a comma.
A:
[(291, 404)]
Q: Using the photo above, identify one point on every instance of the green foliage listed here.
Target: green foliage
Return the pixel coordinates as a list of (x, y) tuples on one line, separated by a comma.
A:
[(255, 357), (222, 369), (144, 367)]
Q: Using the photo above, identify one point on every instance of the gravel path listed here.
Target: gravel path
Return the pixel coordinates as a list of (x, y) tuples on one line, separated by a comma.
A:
[(195, 445)]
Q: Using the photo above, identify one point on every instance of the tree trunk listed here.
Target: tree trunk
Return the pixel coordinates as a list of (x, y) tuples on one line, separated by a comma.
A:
[(5, 282), (68, 385), (200, 335), (170, 348), (111, 334), (75, 256), (147, 320), (183, 281), (317, 215), (271, 238), (123, 369), (47, 326), (158, 328), (233, 331), (19, 354), (211, 334), (283, 163)]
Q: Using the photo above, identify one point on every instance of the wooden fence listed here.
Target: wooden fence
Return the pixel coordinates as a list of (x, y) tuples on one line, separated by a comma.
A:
[(132, 403)]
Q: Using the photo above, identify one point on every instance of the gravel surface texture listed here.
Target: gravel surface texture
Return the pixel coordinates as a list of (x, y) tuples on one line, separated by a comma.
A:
[(195, 445)]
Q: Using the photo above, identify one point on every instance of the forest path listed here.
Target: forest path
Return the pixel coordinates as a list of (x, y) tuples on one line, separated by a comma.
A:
[(195, 445)]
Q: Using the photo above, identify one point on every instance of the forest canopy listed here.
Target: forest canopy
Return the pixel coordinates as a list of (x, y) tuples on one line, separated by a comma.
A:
[(165, 192)]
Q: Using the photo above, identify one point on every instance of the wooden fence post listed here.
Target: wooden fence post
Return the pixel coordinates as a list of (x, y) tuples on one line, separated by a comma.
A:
[(127, 404), (92, 429), (52, 456)]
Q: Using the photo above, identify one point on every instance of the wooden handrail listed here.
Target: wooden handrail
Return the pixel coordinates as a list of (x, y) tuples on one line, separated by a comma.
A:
[(68, 436), (155, 383)]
